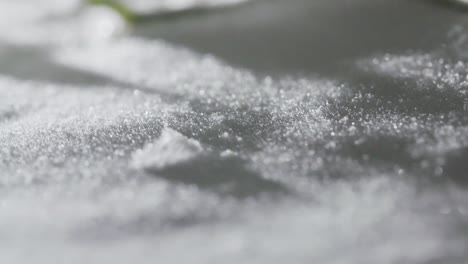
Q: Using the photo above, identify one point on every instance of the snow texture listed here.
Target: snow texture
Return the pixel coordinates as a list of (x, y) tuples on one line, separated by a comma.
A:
[(124, 150)]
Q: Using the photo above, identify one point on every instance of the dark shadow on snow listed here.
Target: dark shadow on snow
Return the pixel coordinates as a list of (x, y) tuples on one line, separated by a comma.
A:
[(226, 176)]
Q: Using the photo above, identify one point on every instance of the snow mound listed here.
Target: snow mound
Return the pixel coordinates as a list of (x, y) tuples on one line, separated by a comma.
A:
[(170, 149)]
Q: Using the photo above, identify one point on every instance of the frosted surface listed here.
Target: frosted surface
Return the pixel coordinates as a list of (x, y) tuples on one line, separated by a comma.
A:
[(156, 153)]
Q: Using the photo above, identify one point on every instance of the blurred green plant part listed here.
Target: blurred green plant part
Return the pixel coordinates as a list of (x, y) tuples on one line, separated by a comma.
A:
[(133, 17), (118, 7)]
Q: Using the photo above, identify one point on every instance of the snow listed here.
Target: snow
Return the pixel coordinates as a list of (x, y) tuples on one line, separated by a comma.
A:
[(168, 155), (170, 149)]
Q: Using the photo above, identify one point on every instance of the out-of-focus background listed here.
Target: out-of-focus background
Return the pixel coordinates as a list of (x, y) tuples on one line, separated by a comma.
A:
[(233, 131)]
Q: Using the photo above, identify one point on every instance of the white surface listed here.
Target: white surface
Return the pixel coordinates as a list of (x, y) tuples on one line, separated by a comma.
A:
[(71, 191)]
